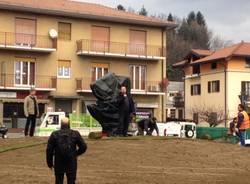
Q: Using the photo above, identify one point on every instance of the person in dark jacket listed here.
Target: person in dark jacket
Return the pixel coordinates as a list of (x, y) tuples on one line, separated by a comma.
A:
[(148, 125), (126, 111), (57, 160)]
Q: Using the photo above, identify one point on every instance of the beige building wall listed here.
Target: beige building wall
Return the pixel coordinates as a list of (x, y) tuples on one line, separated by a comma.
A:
[(205, 100), (46, 63)]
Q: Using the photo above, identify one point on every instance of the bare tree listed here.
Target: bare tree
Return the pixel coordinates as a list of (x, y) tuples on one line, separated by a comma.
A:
[(216, 42), (131, 10), (211, 115)]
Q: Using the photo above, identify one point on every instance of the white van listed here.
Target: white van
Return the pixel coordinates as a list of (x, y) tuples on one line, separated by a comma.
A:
[(177, 129)]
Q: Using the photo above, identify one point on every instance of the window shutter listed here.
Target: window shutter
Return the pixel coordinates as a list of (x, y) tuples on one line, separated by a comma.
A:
[(192, 90), (64, 63), (243, 87), (218, 86), (199, 89), (209, 87), (64, 31)]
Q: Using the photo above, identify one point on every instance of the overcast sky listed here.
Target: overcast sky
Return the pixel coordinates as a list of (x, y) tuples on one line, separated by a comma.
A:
[(230, 19)]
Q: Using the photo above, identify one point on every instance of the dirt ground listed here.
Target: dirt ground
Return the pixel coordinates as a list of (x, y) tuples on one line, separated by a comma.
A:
[(150, 161)]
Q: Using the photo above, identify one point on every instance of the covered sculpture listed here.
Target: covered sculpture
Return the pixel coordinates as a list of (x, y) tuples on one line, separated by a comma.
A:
[(107, 91)]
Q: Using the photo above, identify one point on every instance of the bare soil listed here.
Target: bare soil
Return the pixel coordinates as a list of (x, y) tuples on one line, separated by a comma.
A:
[(164, 161)]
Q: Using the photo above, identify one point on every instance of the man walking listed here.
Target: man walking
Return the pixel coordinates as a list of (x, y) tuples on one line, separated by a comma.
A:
[(31, 111), (65, 146), (126, 111), (243, 123)]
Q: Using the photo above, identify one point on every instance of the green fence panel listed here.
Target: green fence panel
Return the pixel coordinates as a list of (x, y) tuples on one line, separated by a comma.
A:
[(83, 121), (213, 132)]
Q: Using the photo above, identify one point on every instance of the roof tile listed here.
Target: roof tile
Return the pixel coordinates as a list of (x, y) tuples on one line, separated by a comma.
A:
[(68, 6)]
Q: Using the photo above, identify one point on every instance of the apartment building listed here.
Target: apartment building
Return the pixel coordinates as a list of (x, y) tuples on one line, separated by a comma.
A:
[(61, 46), (216, 82), (175, 100)]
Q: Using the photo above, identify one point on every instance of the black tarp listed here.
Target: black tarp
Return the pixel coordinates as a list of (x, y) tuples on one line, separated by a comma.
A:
[(105, 111)]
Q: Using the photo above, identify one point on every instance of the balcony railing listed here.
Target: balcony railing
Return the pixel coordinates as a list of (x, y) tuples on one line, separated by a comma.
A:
[(20, 41), (40, 82), (145, 87), (178, 101), (118, 49)]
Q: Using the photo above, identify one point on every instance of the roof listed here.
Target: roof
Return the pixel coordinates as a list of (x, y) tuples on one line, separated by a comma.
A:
[(201, 52), (241, 49), (82, 10), (181, 63), (198, 52)]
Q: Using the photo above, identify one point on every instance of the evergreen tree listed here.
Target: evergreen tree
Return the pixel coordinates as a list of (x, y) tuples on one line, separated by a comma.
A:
[(120, 7), (200, 19), (189, 35), (143, 11), (191, 17), (170, 18)]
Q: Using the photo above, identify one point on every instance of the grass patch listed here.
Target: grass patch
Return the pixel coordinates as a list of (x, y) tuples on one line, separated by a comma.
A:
[(21, 146)]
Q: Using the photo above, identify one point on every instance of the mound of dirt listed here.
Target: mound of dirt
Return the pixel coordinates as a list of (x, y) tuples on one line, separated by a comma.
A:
[(149, 161)]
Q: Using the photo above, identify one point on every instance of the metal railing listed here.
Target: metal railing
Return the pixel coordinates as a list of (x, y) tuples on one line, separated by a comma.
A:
[(178, 101), (27, 40), (119, 48), (136, 86), (17, 81)]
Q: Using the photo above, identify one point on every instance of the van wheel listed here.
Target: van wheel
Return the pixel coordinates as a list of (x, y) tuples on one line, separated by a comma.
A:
[(190, 134)]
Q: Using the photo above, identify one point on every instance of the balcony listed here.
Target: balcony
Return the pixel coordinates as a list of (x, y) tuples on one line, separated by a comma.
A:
[(27, 42), (178, 101), (120, 50), (40, 82), (139, 88)]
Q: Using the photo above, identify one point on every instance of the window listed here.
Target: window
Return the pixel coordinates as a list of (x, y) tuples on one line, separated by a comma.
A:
[(99, 70), (24, 72), (25, 34), (138, 77), (245, 88), (52, 120), (180, 114), (213, 65), (196, 117), (213, 118), (64, 31), (195, 89), (214, 86), (10, 108), (172, 113), (196, 69), (100, 38), (64, 68), (138, 42), (247, 62)]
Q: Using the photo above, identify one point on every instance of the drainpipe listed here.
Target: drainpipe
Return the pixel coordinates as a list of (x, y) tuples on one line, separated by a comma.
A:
[(162, 72), (225, 88)]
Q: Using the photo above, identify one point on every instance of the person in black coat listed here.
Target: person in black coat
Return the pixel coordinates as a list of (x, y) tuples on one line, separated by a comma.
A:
[(60, 162), (126, 111), (148, 125)]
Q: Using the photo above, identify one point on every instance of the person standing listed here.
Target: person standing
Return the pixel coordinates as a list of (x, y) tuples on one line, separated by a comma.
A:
[(64, 146), (126, 111), (148, 125), (31, 112), (242, 123)]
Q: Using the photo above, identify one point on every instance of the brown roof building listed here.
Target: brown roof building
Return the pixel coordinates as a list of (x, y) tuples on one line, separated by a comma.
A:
[(216, 82)]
